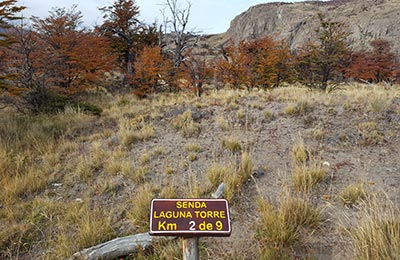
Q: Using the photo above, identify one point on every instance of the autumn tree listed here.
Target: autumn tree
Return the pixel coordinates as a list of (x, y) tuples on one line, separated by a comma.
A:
[(233, 67), (268, 62), (322, 61), (376, 65), (8, 13), (151, 71), (261, 63), (126, 33), (70, 57)]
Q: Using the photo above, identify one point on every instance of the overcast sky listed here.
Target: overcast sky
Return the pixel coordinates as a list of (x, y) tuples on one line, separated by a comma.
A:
[(207, 16)]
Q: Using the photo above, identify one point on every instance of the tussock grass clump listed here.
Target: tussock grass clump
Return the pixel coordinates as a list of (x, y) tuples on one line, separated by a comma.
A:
[(217, 172), (380, 103), (370, 133), (300, 153), (223, 124), (186, 125), (80, 227), (233, 177), (138, 175), (306, 177), (268, 115), (353, 193), (139, 213), (235, 180), (298, 108), (129, 134), (378, 234), (232, 144), (280, 226), (318, 133), (193, 147), (22, 185)]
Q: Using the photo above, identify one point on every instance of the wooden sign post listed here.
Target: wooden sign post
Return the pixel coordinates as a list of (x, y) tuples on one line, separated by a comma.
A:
[(190, 219)]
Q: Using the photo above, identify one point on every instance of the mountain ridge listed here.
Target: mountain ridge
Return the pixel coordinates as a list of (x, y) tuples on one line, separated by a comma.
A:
[(296, 23)]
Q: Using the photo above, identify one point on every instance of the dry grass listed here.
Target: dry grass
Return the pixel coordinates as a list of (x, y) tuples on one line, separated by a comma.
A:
[(40, 219), (138, 214), (223, 124), (217, 172), (234, 180), (370, 133), (129, 134), (306, 177), (353, 193), (280, 226), (186, 125), (232, 144), (78, 228), (300, 153), (299, 108), (378, 234), (193, 147)]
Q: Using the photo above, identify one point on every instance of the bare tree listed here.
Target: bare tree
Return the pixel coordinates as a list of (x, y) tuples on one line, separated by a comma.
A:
[(178, 38)]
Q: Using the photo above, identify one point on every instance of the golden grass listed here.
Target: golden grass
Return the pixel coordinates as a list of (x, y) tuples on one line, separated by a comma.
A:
[(280, 226), (300, 153), (232, 144), (139, 211), (186, 125), (370, 133), (78, 228), (235, 180), (223, 124), (377, 236), (306, 177), (268, 115), (353, 193), (193, 147), (299, 108), (129, 135)]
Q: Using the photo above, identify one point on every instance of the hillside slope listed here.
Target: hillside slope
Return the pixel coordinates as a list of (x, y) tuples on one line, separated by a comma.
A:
[(72, 180)]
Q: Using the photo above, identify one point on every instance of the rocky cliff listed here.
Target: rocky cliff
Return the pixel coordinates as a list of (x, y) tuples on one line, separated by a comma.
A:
[(297, 22)]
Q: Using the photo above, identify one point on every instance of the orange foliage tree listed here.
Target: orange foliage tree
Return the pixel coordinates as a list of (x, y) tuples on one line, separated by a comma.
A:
[(376, 65), (259, 63), (270, 62), (152, 70), (8, 11), (69, 57), (233, 67)]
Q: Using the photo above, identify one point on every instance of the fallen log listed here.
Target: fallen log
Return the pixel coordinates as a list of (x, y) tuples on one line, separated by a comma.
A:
[(124, 246), (121, 246)]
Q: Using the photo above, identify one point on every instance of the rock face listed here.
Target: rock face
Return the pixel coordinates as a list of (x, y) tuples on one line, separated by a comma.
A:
[(297, 22)]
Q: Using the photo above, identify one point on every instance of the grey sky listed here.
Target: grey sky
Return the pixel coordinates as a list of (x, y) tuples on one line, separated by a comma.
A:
[(208, 16)]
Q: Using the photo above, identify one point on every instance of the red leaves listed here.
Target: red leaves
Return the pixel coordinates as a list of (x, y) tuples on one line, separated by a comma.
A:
[(376, 65), (259, 63)]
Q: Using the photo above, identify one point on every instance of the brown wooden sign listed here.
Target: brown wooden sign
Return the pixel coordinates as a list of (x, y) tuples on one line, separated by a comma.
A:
[(189, 217)]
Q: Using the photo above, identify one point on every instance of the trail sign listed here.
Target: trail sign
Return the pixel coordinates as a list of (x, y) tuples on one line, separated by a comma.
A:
[(189, 217)]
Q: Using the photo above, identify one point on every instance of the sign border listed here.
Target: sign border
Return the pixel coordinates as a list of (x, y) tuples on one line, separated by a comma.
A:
[(189, 232)]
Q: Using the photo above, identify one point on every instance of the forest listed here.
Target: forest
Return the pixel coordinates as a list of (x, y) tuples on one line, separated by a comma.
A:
[(48, 62)]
